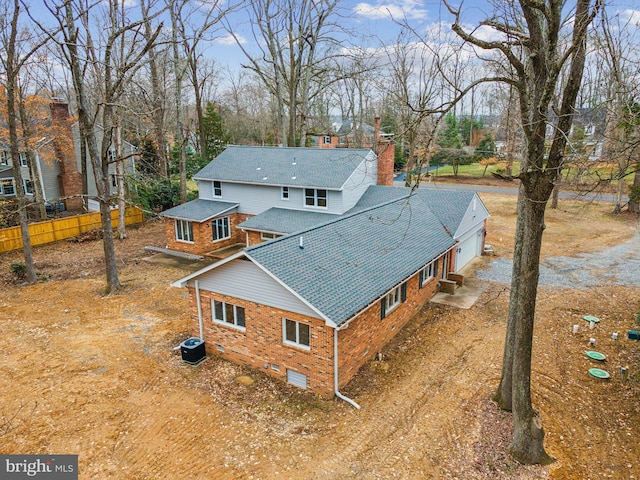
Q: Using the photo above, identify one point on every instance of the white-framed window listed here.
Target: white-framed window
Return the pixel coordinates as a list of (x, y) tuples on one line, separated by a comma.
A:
[(284, 193), (7, 187), (114, 180), (268, 235), (217, 188), (4, 158), (228, 314), (295, 333), (327, 140), (391, 300), (315, 197), (220, 228), (184, 231), (23, 159), (426, 274), (28, 186)]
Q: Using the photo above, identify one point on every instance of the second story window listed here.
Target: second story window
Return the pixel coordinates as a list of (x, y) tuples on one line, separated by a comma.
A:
[(217, 188), (327, 140), (315, 197), (23, 159), (284, 193), (7, 187), (4, 158)]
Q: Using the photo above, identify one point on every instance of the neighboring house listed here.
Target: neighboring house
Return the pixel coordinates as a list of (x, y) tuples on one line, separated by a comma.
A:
[(323, 140), (60, 177), (312, 306)]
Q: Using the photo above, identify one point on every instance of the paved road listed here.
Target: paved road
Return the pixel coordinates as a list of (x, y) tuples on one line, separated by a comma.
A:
[(600, 197)]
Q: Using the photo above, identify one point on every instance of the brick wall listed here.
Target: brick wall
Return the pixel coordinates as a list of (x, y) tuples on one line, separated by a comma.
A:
[(253, 238), (262, 342), (203, 236), (367, 334)]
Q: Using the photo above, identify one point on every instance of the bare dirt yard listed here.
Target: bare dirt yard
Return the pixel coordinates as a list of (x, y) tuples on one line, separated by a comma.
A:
[(96, 375)]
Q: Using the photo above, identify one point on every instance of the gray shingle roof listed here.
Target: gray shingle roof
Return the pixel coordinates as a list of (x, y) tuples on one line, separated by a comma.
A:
[(281, 220), (449, 206), (350, 262), (302, 167), (199, 210)]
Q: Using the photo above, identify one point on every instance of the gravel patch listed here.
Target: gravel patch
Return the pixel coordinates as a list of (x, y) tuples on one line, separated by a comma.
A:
[(619, 265)]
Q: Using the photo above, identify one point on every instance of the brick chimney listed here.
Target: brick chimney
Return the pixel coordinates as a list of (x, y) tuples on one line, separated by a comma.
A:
[(385, 150), (69, 179)]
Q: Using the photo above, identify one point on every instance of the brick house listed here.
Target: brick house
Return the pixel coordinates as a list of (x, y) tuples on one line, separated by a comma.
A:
[(303, 186), (311, 306)]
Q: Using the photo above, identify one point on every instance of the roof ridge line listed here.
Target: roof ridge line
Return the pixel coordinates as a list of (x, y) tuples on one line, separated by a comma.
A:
[(344, 216)]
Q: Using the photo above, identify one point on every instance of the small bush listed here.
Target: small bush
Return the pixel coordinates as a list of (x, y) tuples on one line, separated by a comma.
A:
[(19, 270)]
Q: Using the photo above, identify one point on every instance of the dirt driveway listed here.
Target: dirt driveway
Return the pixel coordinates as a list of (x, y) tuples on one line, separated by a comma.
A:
[(97, 376)]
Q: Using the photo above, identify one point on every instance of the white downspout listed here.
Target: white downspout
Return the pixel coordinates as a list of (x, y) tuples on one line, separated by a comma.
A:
[(335, 371), (199, 310)]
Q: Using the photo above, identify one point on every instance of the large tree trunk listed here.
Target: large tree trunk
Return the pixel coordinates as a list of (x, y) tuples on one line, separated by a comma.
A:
[(527, 445), (11, 76), (504, 395), (87, 134)]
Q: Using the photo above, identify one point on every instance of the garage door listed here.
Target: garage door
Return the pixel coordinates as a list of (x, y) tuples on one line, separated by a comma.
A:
[(297, 379), (468, 249)]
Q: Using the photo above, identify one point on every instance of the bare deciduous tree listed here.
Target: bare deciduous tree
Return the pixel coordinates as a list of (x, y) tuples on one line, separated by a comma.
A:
[(545, 68)]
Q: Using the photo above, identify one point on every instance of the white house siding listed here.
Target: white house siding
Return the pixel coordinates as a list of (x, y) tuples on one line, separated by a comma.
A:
[(468, 248), (243, 279), (49, 171), (366, 174), (469, 232), (255, 199)]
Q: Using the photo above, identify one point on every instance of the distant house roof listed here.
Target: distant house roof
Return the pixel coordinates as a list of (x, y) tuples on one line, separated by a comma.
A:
[(349, 126), (298, 167), (281, 220), (199, 210), (347, 264)]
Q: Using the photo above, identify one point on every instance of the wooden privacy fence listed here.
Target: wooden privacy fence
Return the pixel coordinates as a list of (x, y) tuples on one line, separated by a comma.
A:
[(61, 228)]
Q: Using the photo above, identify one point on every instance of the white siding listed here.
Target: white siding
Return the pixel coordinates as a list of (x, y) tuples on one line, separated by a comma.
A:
[(255, 199), (472, 220), (243, 279), (50, 169), (366, 174)]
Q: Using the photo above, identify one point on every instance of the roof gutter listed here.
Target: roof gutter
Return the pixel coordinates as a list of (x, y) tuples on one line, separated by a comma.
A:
[(335, 371)]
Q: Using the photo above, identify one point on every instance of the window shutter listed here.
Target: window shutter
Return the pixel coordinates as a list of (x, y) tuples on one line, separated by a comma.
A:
[(403, 291), (383, 307), (421, 279)]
